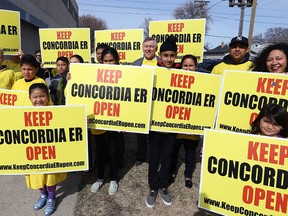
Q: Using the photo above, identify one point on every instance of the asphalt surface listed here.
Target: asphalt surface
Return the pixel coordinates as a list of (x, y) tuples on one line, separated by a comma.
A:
[(17, 200), (72, 199)]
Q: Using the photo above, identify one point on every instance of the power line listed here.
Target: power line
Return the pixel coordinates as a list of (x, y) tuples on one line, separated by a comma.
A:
[(163, 9), (163, 14), (258, 16), (269, 3), (219, 36), (273, 23), (130, 13), (215, 4), (127, 7), (143, 2), (233, 26)]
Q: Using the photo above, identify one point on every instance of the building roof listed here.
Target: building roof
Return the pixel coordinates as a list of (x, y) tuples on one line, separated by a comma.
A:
[(221, 49)]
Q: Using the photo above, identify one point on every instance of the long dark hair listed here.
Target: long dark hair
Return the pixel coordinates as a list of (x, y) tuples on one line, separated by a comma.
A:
[(189, 56), (112, 51), (63, 58), (81, 60), (275, 113), (260, 61)]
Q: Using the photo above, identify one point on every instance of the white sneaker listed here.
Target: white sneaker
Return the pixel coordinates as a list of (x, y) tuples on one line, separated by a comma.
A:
[(96, 185), (113, 187)]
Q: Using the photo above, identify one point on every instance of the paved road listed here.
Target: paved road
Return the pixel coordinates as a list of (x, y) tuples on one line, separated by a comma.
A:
[(17, 200)]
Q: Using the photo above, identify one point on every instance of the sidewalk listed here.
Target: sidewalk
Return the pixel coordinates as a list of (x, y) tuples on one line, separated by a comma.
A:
[(17, 200), (74, 197)]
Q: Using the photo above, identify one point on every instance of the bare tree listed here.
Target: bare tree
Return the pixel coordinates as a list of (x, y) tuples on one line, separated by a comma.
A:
[(145, 26), (258, 39), (276, 35), (94, 23), (191, 10), (272, 35)]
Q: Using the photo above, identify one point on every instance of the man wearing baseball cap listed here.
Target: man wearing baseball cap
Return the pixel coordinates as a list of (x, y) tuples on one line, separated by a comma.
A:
[(238, 58)]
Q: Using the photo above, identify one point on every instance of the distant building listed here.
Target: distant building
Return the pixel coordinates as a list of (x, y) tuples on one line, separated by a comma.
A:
[(217, 53), (256, 48), (37, 14)]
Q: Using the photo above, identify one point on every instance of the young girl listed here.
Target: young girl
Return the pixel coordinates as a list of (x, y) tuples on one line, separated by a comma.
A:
[(46, 183), (110, 56), (76, 59), (271, 121), (190, 142), (108, 140)]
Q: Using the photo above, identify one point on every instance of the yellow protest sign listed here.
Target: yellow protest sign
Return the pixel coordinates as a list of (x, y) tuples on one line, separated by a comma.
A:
[(43, 140), (56, 42), (243, 94), (184, 101), (10, 32), (128, 43), (117, 97), (14, 98), (190, 34), (244, 174)]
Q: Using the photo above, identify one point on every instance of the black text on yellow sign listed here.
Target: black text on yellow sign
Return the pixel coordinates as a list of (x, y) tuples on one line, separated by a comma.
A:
[(260, 152), (64, 44), (40, 136), (105, 92), (268, 86), (8, 30), (174, 28), (181, 97), (117, 41)]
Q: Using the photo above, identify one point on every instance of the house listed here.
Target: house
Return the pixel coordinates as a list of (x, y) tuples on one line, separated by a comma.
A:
[(217, 53)]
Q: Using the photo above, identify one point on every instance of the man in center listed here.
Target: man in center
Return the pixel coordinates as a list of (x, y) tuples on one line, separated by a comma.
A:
[(238, 58), (150, 58)]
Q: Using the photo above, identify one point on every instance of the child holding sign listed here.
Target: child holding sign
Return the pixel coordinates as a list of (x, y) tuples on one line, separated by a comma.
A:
[(190, 142), (29, 67), (6, 75), (162, 144), (59, 82), (271, 121), (112, 141), (46, 183)]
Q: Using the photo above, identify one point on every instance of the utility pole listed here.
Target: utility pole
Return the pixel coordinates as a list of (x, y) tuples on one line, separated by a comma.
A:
[(240, 31), (252, 20), (243, 4)]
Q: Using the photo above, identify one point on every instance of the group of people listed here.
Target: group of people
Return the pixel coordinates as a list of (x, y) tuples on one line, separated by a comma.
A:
[(162, 154), (272, 58)]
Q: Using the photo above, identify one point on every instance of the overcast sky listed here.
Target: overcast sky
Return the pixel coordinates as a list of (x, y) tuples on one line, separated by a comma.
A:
[(129, 14)]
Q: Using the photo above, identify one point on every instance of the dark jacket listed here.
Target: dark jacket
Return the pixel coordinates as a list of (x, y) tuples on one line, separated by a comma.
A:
[(139, 61), (227, 59), (175, 65)]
